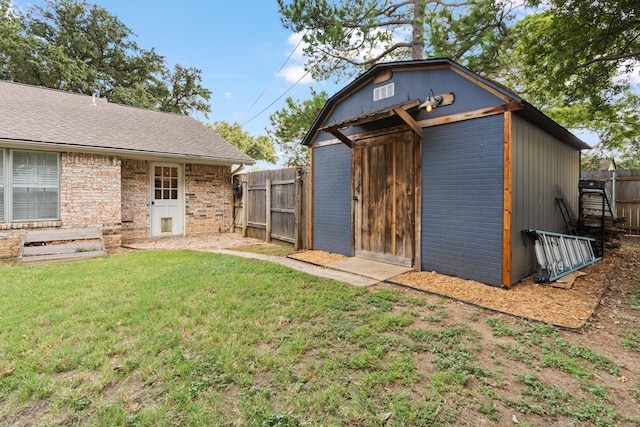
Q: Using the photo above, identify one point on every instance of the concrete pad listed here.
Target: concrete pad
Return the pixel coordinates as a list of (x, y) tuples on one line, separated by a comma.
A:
[(367, 268)]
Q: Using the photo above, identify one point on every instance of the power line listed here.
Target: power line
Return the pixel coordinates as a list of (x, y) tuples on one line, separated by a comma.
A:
[(274, 77), (276, 100), (293, 85)]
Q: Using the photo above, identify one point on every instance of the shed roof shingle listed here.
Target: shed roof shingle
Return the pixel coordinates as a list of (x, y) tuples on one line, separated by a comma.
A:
[(33, 114)]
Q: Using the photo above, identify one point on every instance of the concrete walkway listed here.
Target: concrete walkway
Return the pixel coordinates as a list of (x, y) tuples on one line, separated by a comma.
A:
[(357, 274), (368, 268)]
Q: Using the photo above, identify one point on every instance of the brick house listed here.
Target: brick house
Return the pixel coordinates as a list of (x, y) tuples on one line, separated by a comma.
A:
[(75, 161)]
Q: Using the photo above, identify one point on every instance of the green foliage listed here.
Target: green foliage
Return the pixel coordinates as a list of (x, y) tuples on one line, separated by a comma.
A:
[(258, 147), (81, 47), (578, 63), (634, 299), (290, 125), (344, 38), (580, 77), (631, 340), (471, 35), (571, 59)]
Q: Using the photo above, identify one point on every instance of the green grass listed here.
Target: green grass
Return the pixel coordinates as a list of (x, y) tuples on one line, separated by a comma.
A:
[(275, 249), (188, 338)]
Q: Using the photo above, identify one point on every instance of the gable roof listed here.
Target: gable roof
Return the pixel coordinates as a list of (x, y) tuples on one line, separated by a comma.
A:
[(41, 118), (528, 111)]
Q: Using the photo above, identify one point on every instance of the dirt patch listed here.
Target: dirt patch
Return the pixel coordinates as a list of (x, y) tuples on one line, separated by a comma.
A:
[(205, 242)]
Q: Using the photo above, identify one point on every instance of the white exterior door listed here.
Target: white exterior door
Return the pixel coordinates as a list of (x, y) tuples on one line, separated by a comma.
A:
[(167, 199)]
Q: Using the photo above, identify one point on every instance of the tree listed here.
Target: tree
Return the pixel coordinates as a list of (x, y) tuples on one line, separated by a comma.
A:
[(584, 45), (79, 47), (343, 38), (290, 125), (580, 77), (571, 58), (185, 91), (259, 148)]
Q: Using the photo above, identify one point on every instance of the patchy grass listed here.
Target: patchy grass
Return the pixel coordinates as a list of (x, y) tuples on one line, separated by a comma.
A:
[(275, 249), (160, 338), (630, 327)]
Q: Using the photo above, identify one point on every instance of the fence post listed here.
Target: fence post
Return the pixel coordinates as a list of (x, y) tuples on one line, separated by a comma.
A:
[(297, 216), (268, 210), (245, 207)]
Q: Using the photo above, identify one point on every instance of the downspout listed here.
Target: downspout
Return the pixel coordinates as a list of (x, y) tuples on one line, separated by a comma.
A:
[(233, 208), (238, 169)]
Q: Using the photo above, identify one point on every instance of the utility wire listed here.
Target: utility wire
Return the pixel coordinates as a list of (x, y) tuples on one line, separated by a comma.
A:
[(274, 77), (290, 87), (276, 100)]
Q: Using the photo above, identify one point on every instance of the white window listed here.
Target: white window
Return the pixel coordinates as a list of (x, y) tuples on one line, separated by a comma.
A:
[(30, 185), (165, 183)]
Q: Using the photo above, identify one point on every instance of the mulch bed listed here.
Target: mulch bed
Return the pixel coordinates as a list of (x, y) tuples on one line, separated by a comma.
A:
[(568, 308), (321, 258)]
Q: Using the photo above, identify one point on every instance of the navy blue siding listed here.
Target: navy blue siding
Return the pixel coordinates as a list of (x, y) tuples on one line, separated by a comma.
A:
[(462, 199), (412, 84), (332, 199)]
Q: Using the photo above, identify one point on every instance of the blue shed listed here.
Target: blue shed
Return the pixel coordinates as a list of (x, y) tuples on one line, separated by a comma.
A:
[(428, 165)]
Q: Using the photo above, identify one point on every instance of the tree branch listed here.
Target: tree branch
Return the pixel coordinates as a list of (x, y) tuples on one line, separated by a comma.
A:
[(374, 59), (610, 58)]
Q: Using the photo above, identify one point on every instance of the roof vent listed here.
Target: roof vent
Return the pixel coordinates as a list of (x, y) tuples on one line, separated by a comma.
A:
[(382, 92)]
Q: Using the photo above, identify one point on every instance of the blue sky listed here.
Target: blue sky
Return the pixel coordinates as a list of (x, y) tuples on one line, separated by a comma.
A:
[(240, 47)]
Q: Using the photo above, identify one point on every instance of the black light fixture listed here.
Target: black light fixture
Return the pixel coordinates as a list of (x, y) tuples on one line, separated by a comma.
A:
[(431, 102)]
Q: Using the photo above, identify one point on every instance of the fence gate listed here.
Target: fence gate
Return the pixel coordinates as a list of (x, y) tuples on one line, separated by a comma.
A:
[(270, 205)]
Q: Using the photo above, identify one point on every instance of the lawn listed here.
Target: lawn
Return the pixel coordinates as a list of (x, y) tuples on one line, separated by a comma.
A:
[(163, 338)]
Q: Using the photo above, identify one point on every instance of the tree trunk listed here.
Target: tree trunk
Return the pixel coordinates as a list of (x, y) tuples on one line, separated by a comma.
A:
[(417, 38)]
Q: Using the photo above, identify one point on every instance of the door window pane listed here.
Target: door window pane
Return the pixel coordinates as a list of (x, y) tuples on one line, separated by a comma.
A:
[(165, 183)]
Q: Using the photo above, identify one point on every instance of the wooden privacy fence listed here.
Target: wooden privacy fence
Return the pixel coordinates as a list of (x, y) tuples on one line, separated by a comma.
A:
[(627, 195), (272, 205)]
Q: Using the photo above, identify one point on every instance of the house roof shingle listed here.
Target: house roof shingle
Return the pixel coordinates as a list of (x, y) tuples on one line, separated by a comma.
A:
[(66, 121)]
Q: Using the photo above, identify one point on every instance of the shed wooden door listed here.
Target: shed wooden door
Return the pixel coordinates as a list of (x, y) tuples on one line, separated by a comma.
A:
[(384, 202)]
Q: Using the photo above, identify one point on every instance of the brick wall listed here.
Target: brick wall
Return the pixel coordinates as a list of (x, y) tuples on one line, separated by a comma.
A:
[(135, 200), (90, 194), (89, 197), (208, 199), (113, 194)]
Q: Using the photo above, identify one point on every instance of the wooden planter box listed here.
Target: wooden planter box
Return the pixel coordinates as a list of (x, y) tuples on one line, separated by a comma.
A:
[(61, 245)]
